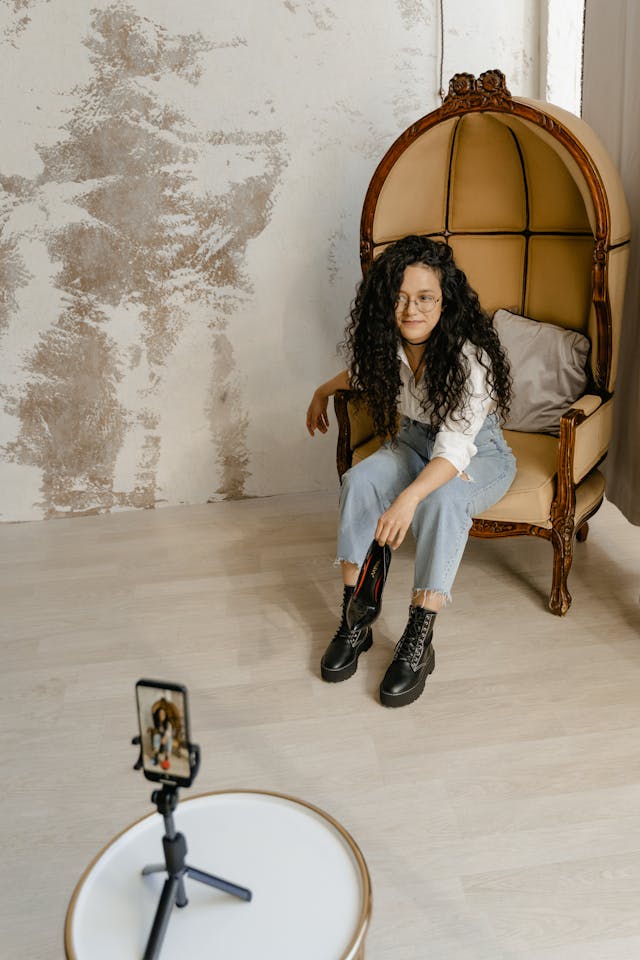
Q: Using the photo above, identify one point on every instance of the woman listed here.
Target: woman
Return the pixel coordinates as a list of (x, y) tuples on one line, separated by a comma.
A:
[(161, 738), (429, 366)]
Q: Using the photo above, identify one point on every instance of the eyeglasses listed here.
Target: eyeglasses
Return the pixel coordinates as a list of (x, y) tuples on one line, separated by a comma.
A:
[(425, 303)]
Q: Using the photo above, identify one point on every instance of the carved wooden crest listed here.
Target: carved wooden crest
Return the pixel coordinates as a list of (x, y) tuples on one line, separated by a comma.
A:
[(467, 92)]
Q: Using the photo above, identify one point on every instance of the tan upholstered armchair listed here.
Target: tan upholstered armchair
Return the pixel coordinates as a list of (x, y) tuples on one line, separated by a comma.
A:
[(531, 204)]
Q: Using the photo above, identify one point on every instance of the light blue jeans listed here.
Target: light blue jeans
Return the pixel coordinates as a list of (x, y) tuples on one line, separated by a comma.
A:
[(442, 520), (157, 744)]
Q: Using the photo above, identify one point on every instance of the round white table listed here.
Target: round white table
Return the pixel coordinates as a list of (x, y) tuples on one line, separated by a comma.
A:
[(310, 886)]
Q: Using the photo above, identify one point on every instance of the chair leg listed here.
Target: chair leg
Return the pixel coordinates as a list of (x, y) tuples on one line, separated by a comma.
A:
[(562, 542), (583, 533)]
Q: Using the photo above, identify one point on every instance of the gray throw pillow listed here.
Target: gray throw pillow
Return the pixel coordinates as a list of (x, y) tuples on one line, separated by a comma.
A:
[(548, 370)]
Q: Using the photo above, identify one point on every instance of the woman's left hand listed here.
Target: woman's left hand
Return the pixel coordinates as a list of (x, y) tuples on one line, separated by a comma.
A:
[(394, 522)]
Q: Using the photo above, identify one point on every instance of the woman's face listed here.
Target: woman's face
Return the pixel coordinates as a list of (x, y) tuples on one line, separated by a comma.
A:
[(419, 303)]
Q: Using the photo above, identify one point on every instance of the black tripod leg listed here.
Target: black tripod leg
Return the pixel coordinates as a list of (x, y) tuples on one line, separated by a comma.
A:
[(154, 868), (161, 919), (181, 896), (219, 883)]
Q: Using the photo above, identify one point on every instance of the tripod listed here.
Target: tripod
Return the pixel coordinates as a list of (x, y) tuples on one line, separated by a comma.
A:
[(175, 851)]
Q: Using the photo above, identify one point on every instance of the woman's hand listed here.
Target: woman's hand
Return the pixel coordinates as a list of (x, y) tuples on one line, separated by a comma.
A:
[(317, 416), (394, 522)]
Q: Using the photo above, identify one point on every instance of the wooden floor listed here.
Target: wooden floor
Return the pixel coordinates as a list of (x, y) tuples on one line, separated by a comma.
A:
[(499, 814)]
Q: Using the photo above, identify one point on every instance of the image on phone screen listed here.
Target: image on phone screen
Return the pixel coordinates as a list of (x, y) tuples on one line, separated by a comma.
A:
[(164, 733)]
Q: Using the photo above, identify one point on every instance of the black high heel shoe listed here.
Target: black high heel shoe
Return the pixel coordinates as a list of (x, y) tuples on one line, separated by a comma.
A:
[(366, 600)]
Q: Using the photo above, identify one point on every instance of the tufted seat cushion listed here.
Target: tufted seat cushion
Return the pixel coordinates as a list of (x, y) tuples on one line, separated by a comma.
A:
[(529, 498)]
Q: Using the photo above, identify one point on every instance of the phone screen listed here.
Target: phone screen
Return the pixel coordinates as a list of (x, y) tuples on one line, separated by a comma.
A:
[(164, 731)]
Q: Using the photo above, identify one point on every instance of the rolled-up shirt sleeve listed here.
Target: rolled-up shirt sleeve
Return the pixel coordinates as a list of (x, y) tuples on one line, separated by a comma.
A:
[(455, 438)]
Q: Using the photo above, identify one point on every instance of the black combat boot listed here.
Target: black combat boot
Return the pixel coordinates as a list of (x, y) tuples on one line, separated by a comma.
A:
[(340, 660), (413, 661)]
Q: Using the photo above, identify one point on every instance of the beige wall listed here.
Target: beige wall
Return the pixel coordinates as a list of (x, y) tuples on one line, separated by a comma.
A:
[(180, 191)]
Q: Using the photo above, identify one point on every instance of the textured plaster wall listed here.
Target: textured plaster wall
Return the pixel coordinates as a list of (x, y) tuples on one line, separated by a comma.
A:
[(180, 192)]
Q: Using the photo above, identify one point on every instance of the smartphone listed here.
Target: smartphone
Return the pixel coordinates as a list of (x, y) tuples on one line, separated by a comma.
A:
[(165, 738)]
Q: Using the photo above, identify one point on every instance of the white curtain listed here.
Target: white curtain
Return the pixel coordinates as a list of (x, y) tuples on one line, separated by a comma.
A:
[(611, 105)]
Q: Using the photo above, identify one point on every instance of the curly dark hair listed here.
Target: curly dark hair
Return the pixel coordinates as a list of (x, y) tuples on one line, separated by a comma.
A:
[(372, 336)]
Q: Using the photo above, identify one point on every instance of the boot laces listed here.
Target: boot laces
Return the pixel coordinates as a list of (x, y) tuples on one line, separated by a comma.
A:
[(410, 646), (343, 632), (351, 636)]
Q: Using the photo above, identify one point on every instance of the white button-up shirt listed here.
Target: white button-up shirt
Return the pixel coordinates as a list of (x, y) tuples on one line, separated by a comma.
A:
[(454, 439)]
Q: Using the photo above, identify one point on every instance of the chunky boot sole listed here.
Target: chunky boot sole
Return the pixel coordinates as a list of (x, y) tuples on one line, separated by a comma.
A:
[(343, 673), (412, 693)]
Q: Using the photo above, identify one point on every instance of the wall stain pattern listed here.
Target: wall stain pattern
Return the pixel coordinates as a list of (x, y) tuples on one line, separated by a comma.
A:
[(17, 17), (128, 227), (415, 12), (13, 271), (323, 16)]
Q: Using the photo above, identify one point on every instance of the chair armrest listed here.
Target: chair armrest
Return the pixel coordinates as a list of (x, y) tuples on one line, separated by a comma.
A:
[(588, 404), (585, 431), (593, 436), (355, 427)]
